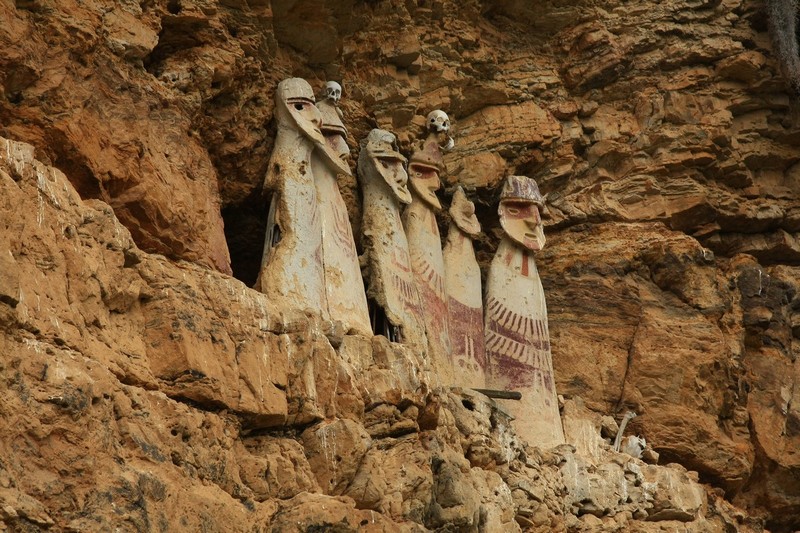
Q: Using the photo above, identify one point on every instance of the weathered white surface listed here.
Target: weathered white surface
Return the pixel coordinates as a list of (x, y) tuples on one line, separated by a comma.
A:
[(344, 287), (634, 446), (518, 344), (390, 278), (517, 336), (425, 247), (291, 271), (599, 480), (464, 295), (582, 430)]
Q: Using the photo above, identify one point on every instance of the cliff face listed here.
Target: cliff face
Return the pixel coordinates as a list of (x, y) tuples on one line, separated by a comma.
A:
[(155, 391)]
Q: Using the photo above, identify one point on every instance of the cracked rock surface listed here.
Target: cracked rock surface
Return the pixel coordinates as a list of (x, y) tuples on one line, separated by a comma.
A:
[(144, 388)]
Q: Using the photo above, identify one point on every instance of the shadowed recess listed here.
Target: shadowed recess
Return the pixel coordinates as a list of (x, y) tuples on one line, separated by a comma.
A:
[(245, 226)]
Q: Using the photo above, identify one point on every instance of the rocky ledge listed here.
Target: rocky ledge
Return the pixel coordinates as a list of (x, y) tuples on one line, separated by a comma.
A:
[(145, 394)]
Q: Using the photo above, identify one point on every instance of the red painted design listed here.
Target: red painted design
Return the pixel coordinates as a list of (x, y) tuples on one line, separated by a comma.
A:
[(314, 214), (401, 260), (466, 335), (518, 346), (508, 257), (428, 275), (342, 231), (520, 210), (433, 227), (404, 287)]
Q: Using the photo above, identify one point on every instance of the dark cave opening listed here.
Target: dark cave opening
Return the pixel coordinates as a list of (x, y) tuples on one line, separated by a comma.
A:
[(66, 157), (245, 228)]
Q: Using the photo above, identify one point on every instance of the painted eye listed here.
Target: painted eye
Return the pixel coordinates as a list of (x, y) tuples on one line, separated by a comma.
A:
[(299, 107), (385, 165), (513, 211)]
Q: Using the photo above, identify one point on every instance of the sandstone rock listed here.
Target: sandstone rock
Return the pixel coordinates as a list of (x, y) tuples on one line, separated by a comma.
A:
[(747, 66), (313, 391), (494, 126), (670, 150), (275, 468), (768, 248), (150, 309), (484, 169), (768, 297), (90, 427), (127, 35), (594, 491), (674, 498), (608, 427), (582, 429), (185, 351), (487, 439), (495, 513), (17, 507), (395, 479), (637, 303), (650, 456), (177, 214), (9, 278), (595, 56), (313, 511), (335, 450), (455, 500)]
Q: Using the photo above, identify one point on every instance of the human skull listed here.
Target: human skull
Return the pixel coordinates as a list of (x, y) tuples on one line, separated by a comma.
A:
[(438, 121), (333, 91)]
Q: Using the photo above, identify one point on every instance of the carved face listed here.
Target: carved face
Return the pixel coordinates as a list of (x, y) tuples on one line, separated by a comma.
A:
[(425, 181), (385, 157), (463, 213), (295, 108), (521, 221), (394, 173), (438, 121), (333, 91)]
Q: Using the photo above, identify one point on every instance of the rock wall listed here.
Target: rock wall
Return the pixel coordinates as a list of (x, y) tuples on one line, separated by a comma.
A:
[(146, 388)]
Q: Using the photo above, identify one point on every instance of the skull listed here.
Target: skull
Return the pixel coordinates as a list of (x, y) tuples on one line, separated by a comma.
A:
[(333, 91), (438, 121)]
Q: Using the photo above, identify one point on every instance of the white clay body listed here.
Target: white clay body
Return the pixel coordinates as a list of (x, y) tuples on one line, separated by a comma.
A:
[(465, 308), (518, 344), (344, 286)]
